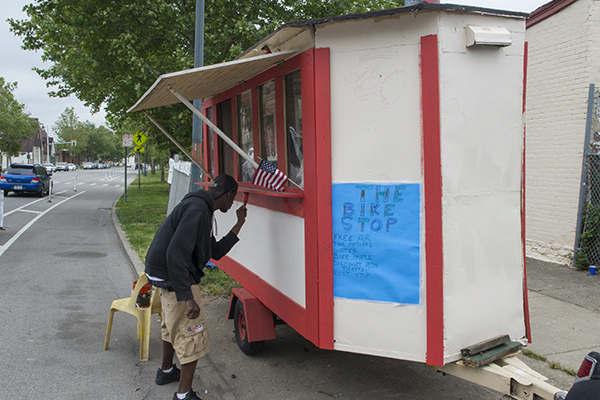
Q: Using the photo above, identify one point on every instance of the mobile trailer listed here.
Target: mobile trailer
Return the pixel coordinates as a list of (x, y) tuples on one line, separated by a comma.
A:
[(402, 235)]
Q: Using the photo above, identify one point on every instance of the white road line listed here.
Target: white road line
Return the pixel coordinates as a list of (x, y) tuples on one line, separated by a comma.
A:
[(28, 204), (20, 208), (106, 184), (24, 229), (31, 211), (92, 184)]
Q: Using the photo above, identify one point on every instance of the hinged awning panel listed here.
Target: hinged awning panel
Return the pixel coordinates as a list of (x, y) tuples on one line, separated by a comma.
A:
[(205, 82)]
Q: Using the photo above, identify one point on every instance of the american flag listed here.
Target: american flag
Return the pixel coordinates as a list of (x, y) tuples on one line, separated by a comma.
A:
[(268, 176)]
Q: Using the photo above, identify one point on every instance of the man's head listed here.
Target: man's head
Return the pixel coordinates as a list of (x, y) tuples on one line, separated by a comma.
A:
[(223, 190)]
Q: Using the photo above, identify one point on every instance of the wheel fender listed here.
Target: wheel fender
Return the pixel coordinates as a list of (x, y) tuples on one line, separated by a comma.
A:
[(260, 324)]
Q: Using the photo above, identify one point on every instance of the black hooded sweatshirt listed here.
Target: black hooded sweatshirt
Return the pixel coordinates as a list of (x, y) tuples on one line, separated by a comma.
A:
[(184, 243)]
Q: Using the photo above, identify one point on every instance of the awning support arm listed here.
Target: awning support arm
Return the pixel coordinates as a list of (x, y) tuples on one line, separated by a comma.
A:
[(214, 128), (163, 130)]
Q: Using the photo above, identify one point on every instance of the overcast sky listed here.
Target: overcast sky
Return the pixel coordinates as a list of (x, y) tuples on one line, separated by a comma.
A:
[(16, 64)]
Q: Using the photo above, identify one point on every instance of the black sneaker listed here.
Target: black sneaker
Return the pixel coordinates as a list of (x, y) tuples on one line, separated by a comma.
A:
[(164, 378), (191, 395)]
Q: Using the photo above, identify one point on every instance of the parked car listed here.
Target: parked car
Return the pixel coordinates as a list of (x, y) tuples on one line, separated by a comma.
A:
[(587, 381), (50, 168), (61, 166), (88, 165), (20, 178), (71, 167)]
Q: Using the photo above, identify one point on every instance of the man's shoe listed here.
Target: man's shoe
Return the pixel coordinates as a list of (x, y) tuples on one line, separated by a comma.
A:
[(191, 395), (163, 378)]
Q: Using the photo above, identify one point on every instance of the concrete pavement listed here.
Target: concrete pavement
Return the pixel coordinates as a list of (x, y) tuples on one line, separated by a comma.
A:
[(564, 306)]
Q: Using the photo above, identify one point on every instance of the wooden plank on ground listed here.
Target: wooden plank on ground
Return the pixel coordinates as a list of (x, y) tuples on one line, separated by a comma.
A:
[(485, 345), (491, 355)]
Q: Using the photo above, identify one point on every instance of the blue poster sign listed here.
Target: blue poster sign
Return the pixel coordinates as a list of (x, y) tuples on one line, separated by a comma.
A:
[(376, 241)]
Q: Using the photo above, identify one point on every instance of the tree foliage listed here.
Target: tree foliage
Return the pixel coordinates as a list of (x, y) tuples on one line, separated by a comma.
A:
[(108, 52), (15, 124)]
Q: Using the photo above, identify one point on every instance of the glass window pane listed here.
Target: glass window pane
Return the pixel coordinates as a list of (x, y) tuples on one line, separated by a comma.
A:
[(224, 122), (293, 123), (268, 139), (245, 134)]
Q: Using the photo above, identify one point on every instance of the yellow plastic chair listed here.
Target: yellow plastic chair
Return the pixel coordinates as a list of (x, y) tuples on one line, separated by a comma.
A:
[(142, 314)]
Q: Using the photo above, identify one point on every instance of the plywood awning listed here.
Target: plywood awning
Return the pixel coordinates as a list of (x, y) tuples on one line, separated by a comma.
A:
[(205, 82)]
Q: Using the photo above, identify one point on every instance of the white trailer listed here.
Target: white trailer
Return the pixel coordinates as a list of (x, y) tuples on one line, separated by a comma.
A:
[(403, 234)]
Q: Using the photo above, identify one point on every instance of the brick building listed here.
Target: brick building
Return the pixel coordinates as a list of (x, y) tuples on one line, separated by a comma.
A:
[(563, 60)]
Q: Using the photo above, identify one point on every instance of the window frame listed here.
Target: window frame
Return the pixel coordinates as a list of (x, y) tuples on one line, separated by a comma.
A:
[(292, 200)]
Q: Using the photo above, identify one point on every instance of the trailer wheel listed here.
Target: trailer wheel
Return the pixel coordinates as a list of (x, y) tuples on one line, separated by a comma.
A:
[(241, 334)]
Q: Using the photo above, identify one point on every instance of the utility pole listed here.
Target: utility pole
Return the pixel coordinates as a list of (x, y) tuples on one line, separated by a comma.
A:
[(197, 122)]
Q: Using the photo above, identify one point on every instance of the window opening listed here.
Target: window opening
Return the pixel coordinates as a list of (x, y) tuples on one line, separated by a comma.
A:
[(245, 134), (268, 132), (224, 123), (293, 123)]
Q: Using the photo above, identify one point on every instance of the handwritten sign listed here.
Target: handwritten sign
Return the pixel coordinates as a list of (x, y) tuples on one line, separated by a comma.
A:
[(376, 241)]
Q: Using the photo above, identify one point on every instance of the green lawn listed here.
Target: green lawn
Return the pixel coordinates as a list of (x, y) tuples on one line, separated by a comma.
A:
[(140, 217)]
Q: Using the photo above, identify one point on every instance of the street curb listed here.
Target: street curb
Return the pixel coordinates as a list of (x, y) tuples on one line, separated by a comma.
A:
[(135, 263)]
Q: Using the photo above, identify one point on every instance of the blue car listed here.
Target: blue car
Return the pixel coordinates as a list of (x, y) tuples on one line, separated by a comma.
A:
[(21, 178)]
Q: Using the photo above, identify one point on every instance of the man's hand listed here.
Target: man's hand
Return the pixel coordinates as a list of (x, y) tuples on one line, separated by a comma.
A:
[(241, 216), (193, 311)]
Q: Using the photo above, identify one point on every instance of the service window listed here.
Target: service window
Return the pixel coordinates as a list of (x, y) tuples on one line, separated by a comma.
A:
[(268, 131), (293, 124), (263, 115), (245, 134)]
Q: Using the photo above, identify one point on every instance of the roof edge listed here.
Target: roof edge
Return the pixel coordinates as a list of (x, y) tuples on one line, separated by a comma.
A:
[(547, 10), (387, 12)]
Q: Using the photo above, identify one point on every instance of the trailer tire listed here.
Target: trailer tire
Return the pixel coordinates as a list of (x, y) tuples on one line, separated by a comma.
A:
[(241, 333)]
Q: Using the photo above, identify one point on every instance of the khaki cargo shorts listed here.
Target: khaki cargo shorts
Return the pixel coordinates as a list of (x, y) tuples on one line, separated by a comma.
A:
[(189, 337)]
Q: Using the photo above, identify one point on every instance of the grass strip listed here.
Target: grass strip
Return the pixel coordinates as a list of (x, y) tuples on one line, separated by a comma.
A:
[(140, 217)]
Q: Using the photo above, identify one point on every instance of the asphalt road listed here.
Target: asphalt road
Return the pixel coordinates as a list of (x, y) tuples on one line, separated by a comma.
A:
[(62, 264)]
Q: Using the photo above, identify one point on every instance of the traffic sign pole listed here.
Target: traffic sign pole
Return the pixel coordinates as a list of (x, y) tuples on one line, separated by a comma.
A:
[(125, 185)]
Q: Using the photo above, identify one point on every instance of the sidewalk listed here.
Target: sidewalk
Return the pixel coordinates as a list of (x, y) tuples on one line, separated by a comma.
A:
[(564, 308)]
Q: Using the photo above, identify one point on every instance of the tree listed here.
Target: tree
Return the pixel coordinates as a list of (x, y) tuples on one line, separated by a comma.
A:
[(15, 124), (68, 128), (94, 143), (107, 53)]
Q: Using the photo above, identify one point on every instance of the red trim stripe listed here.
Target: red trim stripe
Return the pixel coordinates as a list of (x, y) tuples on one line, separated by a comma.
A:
[(523, 233), (311, 219), (432, 177), (324, 206)]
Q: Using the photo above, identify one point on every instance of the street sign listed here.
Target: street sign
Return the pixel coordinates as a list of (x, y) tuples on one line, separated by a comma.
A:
[(139, 138), (73, 142), (127, 140), (139, 149)]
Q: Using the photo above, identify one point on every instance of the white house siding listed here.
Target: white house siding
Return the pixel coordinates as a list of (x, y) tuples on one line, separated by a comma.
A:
[(563, 61)]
